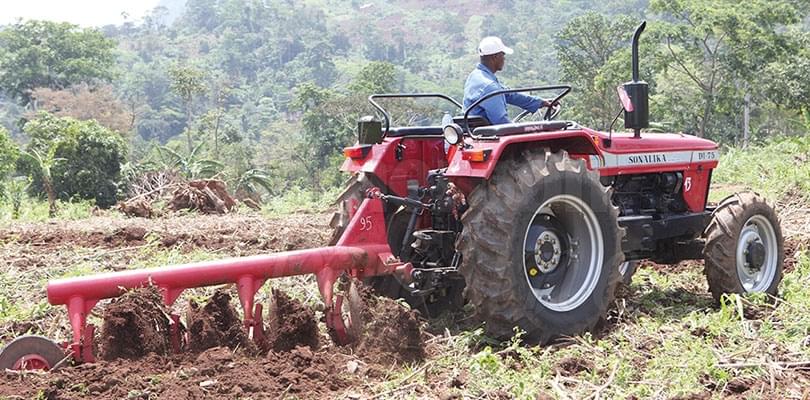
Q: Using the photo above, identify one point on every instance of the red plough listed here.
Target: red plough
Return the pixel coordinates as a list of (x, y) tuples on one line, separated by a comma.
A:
[(361, 252)]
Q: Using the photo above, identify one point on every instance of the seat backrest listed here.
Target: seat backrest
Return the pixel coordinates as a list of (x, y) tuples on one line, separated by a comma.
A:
[(475, 121)]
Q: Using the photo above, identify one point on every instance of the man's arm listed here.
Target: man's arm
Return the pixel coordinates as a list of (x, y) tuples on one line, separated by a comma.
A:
[(495, 110), (526, 102)]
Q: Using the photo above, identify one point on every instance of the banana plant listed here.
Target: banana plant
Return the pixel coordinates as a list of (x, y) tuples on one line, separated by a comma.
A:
[(192, 166), (251, 180), (44, 165)]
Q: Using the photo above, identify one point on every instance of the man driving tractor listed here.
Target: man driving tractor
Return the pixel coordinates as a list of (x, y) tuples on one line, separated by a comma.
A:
[(482, 81)]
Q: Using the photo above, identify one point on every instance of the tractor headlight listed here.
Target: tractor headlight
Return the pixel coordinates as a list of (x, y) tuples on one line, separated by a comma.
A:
[(452, 134)]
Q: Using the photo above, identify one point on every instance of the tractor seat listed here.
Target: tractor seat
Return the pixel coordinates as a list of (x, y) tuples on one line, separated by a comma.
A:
[(435, 130), (475, 121), (517, 128)]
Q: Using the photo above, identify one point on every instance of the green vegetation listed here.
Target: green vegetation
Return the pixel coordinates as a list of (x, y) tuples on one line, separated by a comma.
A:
[(775, 168), (8, 158), (82, 159), (273, 90), (42, 54), (664, 339)]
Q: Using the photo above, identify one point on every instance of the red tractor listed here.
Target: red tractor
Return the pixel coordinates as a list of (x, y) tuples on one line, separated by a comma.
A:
[(533, 223), (542, 219)]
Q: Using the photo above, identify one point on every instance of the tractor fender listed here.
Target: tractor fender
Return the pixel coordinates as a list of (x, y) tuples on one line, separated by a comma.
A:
[(578, 143), (398, 160)]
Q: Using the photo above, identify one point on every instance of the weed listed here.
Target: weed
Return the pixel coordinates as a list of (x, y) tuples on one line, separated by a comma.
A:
[(300, 201)]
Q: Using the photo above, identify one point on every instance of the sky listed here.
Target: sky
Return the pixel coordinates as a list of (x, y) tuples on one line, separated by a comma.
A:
[(86, 13)]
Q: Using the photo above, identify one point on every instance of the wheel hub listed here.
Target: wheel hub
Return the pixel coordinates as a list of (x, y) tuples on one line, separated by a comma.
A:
[(548, 250), (755, 255), (563, 253)]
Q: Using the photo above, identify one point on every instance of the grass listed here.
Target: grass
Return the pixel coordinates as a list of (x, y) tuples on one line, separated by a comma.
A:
[(35, 210), (300, 201), (663, 338), (654, 346), (775, 168)]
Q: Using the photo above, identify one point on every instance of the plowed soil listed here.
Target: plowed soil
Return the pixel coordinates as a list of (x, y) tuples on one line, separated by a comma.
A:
[(136, 359), (392, 332), (297, 361), (291, 324), (221, 362), (216, 324), (135, 325), (31, 245)]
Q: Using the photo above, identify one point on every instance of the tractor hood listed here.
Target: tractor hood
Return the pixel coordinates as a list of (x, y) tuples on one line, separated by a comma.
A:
[(623, 143)]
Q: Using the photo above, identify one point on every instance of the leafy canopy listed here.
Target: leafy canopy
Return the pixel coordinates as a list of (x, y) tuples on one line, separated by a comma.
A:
[(53, 55), (91, 157)]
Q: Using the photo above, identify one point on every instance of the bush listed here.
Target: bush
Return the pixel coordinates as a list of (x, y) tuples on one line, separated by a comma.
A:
[(8, 157), (89, 158)]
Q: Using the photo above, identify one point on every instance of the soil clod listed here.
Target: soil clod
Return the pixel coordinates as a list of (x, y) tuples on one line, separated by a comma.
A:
[(215, 324), (291, 324), (571, 366), (135, 325), (392, 332)]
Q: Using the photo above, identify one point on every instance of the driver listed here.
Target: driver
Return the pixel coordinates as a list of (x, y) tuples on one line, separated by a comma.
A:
[(482, 81)]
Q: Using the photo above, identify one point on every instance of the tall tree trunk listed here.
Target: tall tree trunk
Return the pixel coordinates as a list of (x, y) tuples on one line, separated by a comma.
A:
[(51, 197), (216, 137), (188, 126), (707, 113)]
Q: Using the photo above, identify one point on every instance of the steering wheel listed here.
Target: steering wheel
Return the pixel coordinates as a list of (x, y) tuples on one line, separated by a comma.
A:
[(552, 112)]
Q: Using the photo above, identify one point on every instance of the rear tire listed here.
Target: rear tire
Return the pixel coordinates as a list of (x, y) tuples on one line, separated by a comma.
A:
[(744, 249), (573, 282)]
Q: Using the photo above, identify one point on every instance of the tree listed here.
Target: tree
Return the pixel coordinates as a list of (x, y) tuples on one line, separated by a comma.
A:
[(92, 156), (322, 133), (584, 48), (375, 77), (84, 103), (188, 83), (721, 47), (36, 54), (248, 184), (192, 166)]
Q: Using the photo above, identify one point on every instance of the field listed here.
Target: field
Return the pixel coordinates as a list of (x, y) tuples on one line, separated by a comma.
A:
[(664, 338)]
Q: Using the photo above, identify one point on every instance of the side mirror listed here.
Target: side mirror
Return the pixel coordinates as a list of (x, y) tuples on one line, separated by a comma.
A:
[(624, 98)]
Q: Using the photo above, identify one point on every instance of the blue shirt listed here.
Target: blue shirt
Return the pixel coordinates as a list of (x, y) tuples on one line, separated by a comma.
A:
[(482, 81)]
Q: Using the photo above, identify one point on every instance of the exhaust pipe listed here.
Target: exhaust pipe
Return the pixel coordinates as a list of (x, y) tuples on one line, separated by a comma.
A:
[(638, 92)]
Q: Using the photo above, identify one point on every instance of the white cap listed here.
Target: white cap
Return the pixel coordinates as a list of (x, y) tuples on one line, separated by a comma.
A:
[(492, 45)]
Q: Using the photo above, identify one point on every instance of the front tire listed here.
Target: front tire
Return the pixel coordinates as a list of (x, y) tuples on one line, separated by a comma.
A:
[(744, 249), (541, 247)]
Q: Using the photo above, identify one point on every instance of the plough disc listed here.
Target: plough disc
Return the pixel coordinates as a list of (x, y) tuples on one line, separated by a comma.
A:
[(349, 303)]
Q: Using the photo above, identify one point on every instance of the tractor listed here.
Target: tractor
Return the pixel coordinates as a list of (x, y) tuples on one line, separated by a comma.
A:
[(534, 223)]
